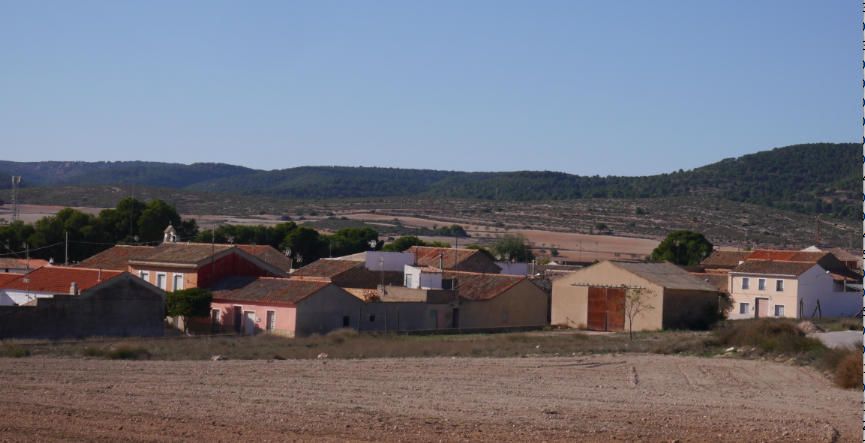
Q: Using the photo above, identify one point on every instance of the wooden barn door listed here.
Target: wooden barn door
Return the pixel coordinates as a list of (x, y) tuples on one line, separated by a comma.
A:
[(606, 309)]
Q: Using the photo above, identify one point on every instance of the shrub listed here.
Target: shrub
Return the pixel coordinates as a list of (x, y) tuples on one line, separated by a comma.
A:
[(14, 351), (767, 335), (122, 352), (847, 372)]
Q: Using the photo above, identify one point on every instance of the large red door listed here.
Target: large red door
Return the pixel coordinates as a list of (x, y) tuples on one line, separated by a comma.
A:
[(606, 309)]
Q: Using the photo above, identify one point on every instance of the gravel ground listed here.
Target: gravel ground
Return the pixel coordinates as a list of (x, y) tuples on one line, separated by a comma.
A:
[(591, 398), (840, 339)]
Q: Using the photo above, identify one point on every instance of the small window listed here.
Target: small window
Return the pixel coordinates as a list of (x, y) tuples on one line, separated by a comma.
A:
[(745, 282), (215, 317), (346, 321), (372, 318), (779, 285), (144, 275), (161, 280), (761, 284), (178, 282), (779, 310), (744, 308)]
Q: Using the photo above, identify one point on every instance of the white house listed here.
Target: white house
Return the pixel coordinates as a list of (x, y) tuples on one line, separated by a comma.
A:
[(422, 277), (791, 289)]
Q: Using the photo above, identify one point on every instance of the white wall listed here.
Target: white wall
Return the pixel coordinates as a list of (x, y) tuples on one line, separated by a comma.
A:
[(11, 297), (388, 261), (421, 279), (509, 268), (815, 285), (787, 297)]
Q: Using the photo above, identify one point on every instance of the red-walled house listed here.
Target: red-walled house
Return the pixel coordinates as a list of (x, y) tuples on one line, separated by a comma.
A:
[(174, 266)]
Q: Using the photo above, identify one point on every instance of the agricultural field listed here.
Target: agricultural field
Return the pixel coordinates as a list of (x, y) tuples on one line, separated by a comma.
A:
[(621, 397)]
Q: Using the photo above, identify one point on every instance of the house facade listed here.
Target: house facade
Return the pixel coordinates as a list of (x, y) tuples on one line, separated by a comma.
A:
[(786, 289)]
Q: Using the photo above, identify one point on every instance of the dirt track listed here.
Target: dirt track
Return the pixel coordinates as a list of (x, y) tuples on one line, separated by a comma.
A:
[(593, 398)]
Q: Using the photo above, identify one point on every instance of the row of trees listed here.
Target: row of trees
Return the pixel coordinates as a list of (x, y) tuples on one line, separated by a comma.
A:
[(131, 221)]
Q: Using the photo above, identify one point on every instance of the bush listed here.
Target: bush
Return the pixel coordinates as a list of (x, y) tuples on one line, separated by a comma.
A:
[(848, 373), (767, 335), (14, 351), (122, 352)]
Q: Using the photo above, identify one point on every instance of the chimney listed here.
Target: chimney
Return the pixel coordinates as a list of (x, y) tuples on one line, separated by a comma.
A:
[(73, 289)]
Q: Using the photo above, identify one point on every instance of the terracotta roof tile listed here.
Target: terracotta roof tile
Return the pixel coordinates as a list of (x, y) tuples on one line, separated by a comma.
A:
[(773, 267), (7, 278), (269, 255), (117, 257), (58, 279), (183, 253), (22, 263), (725, 259), (784, 255), (476, 286), (266, 290), (326, 267)]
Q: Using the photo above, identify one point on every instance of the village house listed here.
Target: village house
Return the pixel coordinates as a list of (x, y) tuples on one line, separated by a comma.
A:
[(288, 307), (48, 281), (596, 298), (454, 259), (369, 270), (762, 288), (57, 302)]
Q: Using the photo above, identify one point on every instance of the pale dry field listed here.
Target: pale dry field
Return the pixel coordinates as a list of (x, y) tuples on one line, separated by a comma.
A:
[(592, 398)]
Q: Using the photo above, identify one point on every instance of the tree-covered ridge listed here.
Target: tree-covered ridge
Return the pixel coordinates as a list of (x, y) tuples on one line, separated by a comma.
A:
[(815, 178)]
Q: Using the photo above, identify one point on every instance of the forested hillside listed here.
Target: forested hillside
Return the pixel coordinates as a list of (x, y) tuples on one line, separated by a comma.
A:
[(813, 179)]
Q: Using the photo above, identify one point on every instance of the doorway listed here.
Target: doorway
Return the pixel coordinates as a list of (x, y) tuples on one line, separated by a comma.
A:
[(762, 310)]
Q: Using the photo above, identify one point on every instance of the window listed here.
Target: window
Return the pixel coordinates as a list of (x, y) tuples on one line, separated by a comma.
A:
[(761, 284), (161, 280), (779, 310), (178, 282), (744, 308), (215, 317), (779, 285), (745, 282), (346, 321), (271, 321), (144, 275), (372, 318)]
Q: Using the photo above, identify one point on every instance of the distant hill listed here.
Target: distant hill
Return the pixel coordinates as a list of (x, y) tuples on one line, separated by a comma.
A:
[(816, 178)]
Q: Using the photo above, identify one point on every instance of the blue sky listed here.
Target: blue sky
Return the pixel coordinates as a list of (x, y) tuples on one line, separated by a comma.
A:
[(587, 87)]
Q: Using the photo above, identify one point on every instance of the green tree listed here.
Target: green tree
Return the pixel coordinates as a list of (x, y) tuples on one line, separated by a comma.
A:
[(513, 247), (351, 240), (155, 217), (187, 304), (685, 248)]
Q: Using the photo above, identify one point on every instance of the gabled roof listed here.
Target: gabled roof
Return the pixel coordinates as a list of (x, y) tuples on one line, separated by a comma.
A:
[(450, 258), (58, 279), (725, 259), (117, 257), (477, 286), (772, 267), (269, 255), (282, 291), (327, 268), (182, 253), (666, 275), (22, 263)]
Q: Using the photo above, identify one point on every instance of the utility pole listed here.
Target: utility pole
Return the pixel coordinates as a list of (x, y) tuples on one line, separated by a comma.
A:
[(16, 180), (27, 254), (66, 260)]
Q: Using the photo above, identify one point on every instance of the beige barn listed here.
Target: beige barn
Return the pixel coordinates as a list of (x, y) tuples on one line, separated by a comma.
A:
[(596, 297)]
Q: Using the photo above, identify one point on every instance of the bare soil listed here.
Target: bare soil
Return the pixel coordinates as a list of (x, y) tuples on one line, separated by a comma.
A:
[(590, 398)]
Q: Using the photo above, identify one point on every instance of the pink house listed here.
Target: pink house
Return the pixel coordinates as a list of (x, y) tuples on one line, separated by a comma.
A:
[(282, 306)]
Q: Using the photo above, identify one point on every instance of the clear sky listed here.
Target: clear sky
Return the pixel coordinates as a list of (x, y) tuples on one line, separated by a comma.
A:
[(587, 87)]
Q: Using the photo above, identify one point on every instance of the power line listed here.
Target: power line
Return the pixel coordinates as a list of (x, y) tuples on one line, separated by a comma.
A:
[(32, 250)]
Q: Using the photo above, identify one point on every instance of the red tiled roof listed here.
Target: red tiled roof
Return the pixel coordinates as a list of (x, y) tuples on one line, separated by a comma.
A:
[(781, 255), (476, 286), (266, 290), (772, 267), (6, 278), (725, 259), (269, 255), (58, 279), (433, 256), (327, 268), (22, 263), (117, 257)]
